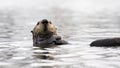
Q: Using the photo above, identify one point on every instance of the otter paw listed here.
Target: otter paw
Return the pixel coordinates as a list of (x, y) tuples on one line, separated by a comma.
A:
[(61, 42)]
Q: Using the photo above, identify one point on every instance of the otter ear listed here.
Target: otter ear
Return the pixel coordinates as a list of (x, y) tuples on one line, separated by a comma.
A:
[(31, 31), (38, 23)]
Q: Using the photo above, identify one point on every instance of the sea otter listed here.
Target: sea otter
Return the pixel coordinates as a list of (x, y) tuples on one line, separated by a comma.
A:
[(45, 33), (110, 42)]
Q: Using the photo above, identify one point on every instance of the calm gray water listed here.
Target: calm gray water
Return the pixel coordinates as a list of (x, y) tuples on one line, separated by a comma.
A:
[(78, 25)]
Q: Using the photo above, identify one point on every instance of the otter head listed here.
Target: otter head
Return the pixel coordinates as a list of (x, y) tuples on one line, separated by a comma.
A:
[(44, 29)]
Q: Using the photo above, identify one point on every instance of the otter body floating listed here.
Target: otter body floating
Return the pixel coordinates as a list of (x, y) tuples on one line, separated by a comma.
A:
[(44, 33), (111, 42)]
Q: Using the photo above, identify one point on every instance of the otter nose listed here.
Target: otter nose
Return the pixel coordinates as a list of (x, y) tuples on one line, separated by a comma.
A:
[(44, 21)]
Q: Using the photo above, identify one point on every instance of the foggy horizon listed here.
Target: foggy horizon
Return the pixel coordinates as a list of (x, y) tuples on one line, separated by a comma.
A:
[(76, 5)]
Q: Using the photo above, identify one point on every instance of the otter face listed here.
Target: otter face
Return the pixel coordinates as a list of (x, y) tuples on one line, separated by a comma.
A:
[(44, 28)]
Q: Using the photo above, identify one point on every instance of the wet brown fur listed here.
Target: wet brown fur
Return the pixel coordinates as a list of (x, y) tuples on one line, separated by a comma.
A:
[(45, 33), (38, 30)]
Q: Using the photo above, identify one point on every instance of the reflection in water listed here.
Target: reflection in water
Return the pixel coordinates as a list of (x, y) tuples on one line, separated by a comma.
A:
[(79, 28), (42, 53)]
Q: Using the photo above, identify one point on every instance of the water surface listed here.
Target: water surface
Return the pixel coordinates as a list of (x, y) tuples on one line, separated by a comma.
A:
[(79, 26)]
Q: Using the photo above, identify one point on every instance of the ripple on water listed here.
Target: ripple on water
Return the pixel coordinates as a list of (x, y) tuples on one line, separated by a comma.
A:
[(54, 63), (18, 58)]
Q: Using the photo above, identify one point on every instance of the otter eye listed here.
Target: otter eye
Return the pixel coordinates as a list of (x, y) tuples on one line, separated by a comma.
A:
[(50, 22)]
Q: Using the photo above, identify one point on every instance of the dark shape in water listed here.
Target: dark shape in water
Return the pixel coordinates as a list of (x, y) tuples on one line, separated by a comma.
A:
[(111, 42)]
